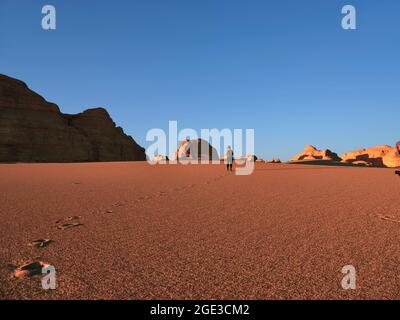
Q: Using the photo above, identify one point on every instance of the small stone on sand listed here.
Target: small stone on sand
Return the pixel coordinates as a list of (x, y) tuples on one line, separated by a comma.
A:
[(30, 269), (40, 243)]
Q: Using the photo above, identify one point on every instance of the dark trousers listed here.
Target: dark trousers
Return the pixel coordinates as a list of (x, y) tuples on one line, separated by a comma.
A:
[(229, 167)]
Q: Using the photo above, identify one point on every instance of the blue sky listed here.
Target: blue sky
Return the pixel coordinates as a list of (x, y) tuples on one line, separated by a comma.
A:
[(285, 68)]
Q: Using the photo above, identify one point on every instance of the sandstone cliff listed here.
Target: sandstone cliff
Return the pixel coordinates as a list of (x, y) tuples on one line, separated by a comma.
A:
[(34, 130)]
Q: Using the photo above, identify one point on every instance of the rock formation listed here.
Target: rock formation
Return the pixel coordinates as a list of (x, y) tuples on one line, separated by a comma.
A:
[(247, 158), (312, 153), (34, 130), (251, 158), (274, 160), (198, 149), (160, 159), (379, 156)]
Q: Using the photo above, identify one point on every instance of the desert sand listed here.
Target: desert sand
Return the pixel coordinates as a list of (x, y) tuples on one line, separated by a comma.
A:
[(194, 232)]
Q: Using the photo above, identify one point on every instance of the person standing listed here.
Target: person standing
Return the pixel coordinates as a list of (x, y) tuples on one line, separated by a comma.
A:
[(229, 159)]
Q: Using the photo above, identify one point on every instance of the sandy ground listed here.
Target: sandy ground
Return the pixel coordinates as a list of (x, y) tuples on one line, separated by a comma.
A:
[(194, 232)]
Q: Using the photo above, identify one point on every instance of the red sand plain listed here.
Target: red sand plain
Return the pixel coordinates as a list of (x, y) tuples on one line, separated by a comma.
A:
[(194, 232)]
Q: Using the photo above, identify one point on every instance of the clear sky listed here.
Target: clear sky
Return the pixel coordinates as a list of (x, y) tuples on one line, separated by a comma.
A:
[(285, 68)]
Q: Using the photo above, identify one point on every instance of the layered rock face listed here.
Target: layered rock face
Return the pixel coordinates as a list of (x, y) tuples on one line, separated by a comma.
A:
[(34, 130), (312, 153), (379, 156)]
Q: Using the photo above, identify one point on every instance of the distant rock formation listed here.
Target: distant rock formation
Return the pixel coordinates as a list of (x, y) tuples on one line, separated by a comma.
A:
[(34, 130), (247, 158), (379, 156), (312, 153), (361, 163), (251, 158), (160, 159), (198, 149), (275, 160)]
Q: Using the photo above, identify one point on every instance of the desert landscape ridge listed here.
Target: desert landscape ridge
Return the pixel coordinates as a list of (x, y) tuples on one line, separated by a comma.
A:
[(34, 130)]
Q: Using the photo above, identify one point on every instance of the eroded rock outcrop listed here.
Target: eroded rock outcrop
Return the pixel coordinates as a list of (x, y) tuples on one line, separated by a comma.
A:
[(34, 130), (312, 153), (379, 156), (160, 159), (197, 149), (275, 160)]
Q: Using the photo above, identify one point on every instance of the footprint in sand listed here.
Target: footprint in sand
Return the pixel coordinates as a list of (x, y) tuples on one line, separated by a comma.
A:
[(69, 222), (143, 198), (389, 218), (119, 204), (28, 270), (40, 243), (69, 225)]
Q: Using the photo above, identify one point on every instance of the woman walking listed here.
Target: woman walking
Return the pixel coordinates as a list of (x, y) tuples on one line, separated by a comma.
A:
[(229, 159)]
